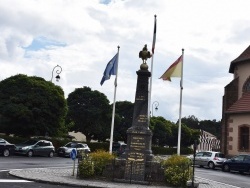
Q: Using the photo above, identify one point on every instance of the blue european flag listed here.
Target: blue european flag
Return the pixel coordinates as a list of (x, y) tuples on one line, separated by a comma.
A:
[(111, 69)]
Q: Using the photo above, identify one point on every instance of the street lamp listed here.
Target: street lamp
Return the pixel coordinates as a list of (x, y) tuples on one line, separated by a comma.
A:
[(154, 104), (58, 70)]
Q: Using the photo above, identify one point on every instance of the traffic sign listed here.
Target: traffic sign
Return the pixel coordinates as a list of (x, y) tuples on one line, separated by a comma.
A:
[(73, 154)]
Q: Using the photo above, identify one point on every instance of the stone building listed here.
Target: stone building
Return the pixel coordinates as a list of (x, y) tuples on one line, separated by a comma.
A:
[(236, 108)]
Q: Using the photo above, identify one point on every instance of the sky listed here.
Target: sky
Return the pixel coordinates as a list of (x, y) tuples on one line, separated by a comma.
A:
[(82, 36)]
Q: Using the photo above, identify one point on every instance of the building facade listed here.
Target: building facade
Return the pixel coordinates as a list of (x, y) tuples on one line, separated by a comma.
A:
[(208, 142), (236, 108)]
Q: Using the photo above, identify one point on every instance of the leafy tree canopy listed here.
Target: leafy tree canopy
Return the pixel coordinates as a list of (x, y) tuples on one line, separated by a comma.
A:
[(161, 130), (31, 106), (166, 133), (90, 113)]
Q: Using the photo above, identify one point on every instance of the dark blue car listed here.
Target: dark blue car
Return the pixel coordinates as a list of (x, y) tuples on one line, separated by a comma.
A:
[(240, 163), (6, 148), (118, 148)]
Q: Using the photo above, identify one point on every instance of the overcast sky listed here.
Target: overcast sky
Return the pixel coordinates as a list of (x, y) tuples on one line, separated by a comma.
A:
[(82, 36)]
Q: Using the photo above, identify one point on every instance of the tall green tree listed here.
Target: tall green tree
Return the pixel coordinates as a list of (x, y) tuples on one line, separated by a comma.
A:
[(90, 113), (123, 120), (161, 129), (31, 106), (187, 135), (191, 121), (211, 126)]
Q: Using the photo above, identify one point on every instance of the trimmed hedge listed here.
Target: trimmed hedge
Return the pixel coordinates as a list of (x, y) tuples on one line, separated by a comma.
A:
[(13, 140), (170, 151), (95, 146)]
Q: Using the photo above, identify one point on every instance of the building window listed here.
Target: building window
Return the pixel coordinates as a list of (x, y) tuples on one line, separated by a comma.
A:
[(246, 86), (244, 138)]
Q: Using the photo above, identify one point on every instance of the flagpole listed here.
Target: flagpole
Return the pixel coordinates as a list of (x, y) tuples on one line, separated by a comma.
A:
[(150, 89), (114, 101), (152, 61), (180, 109)]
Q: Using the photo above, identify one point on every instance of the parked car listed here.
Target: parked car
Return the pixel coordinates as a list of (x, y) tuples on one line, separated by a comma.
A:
[(35, 147), (6, 148), (210, 159), (118, 148), (64, 151), (240, 163)]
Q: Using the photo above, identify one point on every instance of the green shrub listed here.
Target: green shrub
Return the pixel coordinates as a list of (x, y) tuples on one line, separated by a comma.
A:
[(86, 168), (177, 170), (94, 163), (100, 159)]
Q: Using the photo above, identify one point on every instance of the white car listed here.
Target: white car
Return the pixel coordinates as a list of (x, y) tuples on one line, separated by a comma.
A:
[(210, 159), (64, 151)]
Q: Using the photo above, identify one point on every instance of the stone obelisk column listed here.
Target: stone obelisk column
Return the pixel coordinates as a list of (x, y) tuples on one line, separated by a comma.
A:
[(139, 136)]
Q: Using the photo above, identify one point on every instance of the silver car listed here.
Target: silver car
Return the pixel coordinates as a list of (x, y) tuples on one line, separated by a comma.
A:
[(35, 147), (210, 159)]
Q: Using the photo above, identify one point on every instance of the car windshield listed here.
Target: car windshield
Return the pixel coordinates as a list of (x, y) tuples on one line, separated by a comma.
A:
[(30, 142), (239, 158), (2, 141), (117, 146), (70, 145)]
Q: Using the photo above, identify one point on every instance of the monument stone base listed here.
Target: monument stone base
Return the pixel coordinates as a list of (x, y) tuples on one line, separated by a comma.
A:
[(115, 171)]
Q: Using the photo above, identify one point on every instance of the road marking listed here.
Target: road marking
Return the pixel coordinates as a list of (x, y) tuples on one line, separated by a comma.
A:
[(227, 185), (6, 170), (13, 181)]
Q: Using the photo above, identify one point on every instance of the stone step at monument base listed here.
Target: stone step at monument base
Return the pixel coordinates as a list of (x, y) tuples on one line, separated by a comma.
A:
[(132, 181)]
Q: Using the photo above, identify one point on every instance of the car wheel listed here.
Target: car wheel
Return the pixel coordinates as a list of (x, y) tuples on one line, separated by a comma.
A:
[(51, 154), (226, 168), (6, 153), (211, 165), (30, 153)]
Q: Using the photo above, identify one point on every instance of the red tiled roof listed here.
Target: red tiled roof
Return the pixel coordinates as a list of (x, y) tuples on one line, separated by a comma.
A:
[(243, 57), (242, 105)]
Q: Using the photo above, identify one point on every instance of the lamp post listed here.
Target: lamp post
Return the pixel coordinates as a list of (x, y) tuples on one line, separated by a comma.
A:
[(154, 104), (195, 146), (58, 70), (192, 183)]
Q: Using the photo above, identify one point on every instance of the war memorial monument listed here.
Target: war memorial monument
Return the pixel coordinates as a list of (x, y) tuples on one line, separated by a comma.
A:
[(136, 165)]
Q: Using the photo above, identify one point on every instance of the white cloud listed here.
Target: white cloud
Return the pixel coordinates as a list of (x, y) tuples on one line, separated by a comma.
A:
[(213, 33)]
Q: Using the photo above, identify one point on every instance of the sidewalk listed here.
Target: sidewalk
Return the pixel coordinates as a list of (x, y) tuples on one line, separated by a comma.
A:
[(64, 176)]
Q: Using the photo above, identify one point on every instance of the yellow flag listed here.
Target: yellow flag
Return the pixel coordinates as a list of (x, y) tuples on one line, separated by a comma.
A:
[(175, 70)]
